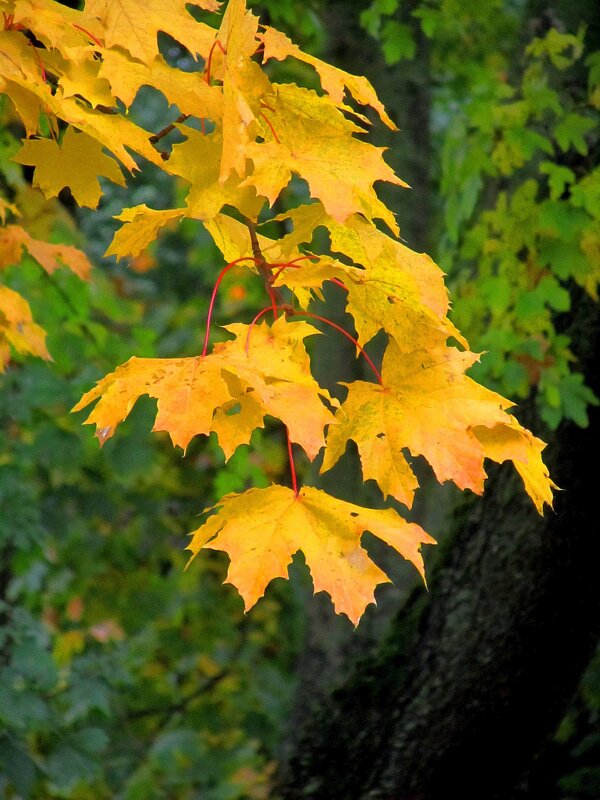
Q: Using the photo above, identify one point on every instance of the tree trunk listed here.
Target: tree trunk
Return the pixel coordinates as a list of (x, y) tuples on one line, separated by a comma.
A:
[(475, 676)]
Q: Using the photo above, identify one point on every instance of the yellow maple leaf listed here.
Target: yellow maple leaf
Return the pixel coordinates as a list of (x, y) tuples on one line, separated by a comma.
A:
[(141, 227), (187, 390), (113, 131), (134, 24), (339, 168), (381, 298), (186, 90), (394, 289), (371, 249), (27, 105), (333, 80), (427, 405), (76, 162), (198, 160), (80, 78), (513, 442), (261, 529), (275, 372)]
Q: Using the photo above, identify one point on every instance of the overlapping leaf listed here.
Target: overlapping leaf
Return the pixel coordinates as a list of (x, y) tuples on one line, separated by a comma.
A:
[(198, 160), (430, 407), (20, 64), (244, 86), (272, 363), (134, 24), (59, 27), (186, 90), (339, 168), (264, 370)]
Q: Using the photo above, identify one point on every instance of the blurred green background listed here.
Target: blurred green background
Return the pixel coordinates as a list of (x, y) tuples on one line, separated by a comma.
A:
[(121, 675)]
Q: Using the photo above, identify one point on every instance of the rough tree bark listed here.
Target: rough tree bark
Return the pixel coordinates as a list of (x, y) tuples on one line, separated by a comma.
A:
[(461, 696), (474, 677)]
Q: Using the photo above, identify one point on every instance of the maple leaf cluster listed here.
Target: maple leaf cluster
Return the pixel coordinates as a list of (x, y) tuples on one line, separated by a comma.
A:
[(245, 137)]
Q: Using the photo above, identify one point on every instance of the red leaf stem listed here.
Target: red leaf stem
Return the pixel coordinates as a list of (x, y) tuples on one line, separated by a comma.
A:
[(348, 336), (213, 296), (282, 267), (338, 282), (270, 124), (87, 33), (292, 465), (210, 55), (39, 60), (253, 323)]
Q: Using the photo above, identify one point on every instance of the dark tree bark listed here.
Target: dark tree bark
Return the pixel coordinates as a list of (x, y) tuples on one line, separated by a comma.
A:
[(462, 695), (474, 677)]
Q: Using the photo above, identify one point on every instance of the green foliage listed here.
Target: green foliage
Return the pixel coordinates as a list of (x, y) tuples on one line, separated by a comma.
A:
[(519, 184), (525, 230)]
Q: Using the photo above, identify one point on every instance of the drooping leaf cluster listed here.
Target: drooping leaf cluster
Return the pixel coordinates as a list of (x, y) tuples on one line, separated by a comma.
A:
[(244, 137)]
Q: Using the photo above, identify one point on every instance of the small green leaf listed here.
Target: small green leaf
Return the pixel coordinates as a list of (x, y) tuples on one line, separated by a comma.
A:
[(571, 130), (398, 42), (558, 178)]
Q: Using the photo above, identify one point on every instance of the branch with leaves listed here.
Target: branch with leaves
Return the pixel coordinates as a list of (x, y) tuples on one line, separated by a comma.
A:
[(245, 137)]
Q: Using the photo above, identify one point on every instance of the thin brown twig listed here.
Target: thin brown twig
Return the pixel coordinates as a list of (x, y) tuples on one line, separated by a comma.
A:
[(263, 267), (156, 137)]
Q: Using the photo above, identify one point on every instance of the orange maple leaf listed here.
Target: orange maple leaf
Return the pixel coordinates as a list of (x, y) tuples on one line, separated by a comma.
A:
[(187, 390), (13, 238), (261, 530), (17, 328), (428, 405), (267, 372)]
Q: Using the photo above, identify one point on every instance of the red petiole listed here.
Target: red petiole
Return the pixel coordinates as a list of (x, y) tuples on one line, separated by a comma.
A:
[(218, 44), (88, 34), (292, 465), (348, 336), (270, 124), (338, 282), (222, 274)]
